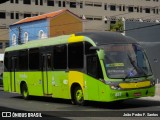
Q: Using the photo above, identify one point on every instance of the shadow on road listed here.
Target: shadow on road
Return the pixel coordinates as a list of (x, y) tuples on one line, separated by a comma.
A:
[(131, 103)]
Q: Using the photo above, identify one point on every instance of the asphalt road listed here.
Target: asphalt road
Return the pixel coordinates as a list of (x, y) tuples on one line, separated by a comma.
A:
[(63, 109)]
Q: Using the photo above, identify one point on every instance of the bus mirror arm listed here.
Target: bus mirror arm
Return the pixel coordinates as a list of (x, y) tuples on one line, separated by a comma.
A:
[(67, 70), (94, 48)]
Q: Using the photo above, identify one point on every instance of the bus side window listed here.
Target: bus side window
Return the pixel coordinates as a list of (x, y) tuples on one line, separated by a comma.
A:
[(88, 51), (6, 62), (34, 61), (60, 57), (23, 60), (93, 66), (75, 55)]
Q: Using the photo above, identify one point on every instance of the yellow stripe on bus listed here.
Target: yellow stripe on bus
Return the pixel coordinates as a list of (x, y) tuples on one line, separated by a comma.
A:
[(135, 85), (74, 38)]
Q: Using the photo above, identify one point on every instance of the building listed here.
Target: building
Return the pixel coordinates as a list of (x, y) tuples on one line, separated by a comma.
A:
[(51, 24), (98, 14)]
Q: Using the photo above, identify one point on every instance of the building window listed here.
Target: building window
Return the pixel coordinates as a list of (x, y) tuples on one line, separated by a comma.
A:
[(17, 1), (41, 2), (13, 39), (154, 11), (59, 3), (1, 45), (147, 10), (25, 37), (26, 1), (130, 9), (137, 9), (89, 3), (120, 8), (141, 9), (2, 15), (42, 34), (105, 7), (157, 11), (112, 22), (81, 5), (64, 3), (36, 2), (6, 44), (12, 15), (98, 4), (124, 8), (27, 15), (17, 15), (113, 7), (11, 1), (50, 3), (72, 4), (98, 18)]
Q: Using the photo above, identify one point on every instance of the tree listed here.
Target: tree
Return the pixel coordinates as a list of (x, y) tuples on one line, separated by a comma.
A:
[(118, 26)]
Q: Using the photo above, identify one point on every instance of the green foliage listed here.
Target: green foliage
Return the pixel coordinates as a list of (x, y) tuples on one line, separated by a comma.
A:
[(118, 26)]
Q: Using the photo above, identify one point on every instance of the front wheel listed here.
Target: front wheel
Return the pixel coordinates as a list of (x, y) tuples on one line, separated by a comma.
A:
[(78, 96), (24, 92)]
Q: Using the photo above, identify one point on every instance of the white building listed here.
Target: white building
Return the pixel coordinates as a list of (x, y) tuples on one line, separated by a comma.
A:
[(98, 14)]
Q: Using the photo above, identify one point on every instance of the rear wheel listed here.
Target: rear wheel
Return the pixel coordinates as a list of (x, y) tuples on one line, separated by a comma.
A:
[(24, 91), (78, 96)]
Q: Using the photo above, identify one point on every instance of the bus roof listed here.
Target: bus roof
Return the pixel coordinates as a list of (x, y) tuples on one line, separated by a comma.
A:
[(40, 43), (107, 37), (95, 38)]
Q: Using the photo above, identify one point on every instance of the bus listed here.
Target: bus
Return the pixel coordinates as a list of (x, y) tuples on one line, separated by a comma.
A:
[(86, 66)]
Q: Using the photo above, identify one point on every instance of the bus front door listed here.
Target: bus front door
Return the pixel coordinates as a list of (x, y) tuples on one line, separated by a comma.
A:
[(47, 74), (12, 74)]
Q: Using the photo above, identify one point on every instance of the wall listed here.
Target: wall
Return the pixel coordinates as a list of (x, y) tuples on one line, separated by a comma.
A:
[(32, 28), (66, 23)]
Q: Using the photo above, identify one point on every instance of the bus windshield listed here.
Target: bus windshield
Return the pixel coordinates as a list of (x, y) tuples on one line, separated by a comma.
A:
[(125, 61)]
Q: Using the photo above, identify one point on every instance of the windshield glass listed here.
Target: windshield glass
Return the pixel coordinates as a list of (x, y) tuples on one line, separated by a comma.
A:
[(125, 61)]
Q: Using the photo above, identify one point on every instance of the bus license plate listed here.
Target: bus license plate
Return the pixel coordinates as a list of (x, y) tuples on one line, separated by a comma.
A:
[(137, 94)]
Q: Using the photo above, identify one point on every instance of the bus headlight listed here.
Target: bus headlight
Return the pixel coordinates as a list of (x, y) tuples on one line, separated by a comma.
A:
[(152, 83), (115, 86)]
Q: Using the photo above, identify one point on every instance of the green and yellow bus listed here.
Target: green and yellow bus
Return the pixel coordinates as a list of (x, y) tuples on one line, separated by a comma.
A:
[(94, 66)]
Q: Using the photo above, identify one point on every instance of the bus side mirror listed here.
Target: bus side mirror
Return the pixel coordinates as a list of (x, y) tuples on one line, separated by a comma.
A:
[(101, 54)]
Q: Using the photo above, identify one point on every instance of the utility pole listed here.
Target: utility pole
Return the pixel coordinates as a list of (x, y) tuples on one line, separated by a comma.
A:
[(19, 35)]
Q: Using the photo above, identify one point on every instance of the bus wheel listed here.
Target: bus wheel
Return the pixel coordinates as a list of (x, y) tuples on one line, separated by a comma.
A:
[(24, 91), (78, 96)]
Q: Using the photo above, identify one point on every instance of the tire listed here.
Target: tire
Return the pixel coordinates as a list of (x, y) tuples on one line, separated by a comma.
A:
[(78, 96), (24, 91)]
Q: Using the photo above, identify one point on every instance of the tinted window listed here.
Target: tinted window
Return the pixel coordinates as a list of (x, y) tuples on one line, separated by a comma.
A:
[(60, 57), (94, 67), (23, 60), (88, 50), (34, 59), (75, 55), (6, 62)]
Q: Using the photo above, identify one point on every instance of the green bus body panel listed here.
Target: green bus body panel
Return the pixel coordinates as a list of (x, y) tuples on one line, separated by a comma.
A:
[(60, 85), (94, 90)]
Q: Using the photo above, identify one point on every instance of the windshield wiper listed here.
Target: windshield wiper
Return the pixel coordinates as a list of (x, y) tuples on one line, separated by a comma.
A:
[(138, 69)]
